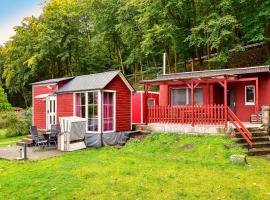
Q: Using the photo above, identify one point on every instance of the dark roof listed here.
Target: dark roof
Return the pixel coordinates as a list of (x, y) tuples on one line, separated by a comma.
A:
[(210, 73), (92, 82), (55, 80)]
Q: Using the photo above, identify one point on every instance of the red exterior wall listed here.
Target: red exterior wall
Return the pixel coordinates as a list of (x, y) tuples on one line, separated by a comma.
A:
[(123, 103), (138, 102), (39, 104), (164, 93), (64, 105)]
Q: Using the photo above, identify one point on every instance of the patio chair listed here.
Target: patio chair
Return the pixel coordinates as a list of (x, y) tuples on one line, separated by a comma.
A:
[(55, 129), (39, 140)]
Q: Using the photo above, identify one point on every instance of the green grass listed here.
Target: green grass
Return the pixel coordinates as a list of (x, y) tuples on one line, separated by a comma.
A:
[(155, 168), (7, 141)]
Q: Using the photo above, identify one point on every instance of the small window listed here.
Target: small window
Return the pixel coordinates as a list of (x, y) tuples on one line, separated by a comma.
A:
[(150, 102), (250, 95)]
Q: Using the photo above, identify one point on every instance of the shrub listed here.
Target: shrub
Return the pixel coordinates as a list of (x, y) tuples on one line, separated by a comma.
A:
[(18, 124), (4, 104)]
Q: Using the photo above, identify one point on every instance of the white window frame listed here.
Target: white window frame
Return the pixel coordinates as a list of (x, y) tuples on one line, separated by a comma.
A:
[(114, 111), (74, 102), (254, 99), (100, 109)]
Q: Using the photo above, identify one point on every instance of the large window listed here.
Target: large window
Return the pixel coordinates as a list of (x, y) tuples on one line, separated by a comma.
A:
[(250, 95), (182, 96), (92, 117), (179, 96), (108, 111), (80, 105)]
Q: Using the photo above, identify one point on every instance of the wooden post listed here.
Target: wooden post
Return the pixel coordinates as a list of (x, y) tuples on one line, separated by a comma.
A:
[(257, 98), (192, 102), (225, 103)]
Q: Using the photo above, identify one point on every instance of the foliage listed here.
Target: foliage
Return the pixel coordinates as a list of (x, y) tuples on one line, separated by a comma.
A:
[(4, 104), (141, 170), (18, 123), (74, 37)]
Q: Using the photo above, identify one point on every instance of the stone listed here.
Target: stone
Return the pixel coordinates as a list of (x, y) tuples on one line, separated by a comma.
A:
[(238, 159), (187, 146)]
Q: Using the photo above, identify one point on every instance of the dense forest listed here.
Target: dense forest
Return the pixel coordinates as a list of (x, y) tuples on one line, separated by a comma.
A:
[(73, 37)]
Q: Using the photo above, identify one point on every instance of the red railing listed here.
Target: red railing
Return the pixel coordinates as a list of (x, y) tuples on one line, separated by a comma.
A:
[(197, 115), (201, 114), (240, 127)]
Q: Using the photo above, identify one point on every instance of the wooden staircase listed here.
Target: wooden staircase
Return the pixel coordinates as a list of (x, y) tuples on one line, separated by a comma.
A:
[(139, 132), (28, 140), (260, 141)]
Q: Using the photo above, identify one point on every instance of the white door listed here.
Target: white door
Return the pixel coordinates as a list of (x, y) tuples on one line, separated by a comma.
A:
[(50, 111)]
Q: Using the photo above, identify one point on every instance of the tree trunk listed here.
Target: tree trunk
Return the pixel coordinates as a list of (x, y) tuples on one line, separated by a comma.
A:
[(192, 64), (121, 61), (267, 36), (175, 58)]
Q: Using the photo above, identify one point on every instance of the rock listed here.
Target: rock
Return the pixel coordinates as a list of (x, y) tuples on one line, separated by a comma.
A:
[(187, 146), (238, 159)]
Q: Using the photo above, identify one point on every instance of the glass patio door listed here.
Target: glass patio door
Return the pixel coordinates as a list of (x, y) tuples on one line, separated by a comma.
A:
[(50, 111)]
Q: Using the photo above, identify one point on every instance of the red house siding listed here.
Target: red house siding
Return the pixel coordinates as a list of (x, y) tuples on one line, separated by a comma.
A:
[(39, 104), (64, 105), (123, 103)]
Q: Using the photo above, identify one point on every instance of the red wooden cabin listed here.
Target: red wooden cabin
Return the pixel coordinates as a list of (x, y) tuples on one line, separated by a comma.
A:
[(213, 97), (138, 101), (103, 98)]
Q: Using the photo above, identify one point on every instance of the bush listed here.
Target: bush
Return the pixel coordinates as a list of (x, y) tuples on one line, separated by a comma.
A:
[(4, 104), (18, 124)]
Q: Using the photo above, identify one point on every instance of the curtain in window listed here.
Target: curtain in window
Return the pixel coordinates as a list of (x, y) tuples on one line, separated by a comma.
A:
[(93, 111), (179, 96), (80, 105), (108, 118)]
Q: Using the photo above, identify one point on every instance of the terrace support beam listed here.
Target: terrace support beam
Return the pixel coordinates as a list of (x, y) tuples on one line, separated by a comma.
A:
[(192, 87), (257, 98), (225, 103)]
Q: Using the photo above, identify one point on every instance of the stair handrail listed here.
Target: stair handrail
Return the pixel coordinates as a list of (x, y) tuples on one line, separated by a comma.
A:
[(242, 129)]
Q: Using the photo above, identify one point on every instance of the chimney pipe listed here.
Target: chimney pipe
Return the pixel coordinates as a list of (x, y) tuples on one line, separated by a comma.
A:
[(164, 63)]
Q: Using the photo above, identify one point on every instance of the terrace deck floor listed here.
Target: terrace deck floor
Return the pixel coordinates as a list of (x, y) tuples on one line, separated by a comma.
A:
[(13, 153)]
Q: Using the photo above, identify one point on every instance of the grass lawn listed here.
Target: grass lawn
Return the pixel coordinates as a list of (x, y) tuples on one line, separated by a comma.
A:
[(5, 141), (159, 167)]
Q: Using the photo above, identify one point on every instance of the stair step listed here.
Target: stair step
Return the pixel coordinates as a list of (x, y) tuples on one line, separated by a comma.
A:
[(28, 140), (254, 139), (21, 143), (254, 134), (29, 136), (263, 144), (258, 151)]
